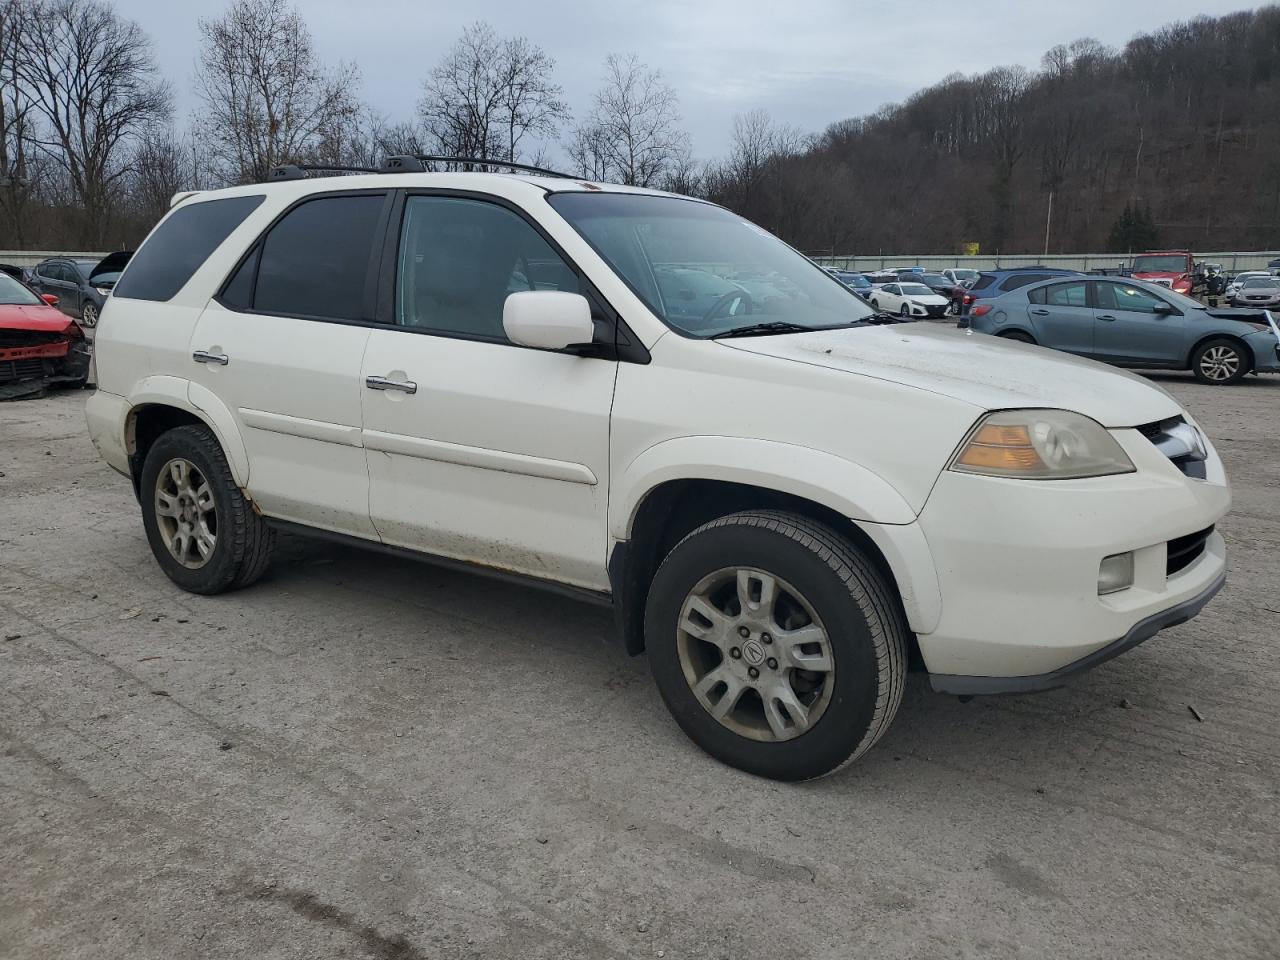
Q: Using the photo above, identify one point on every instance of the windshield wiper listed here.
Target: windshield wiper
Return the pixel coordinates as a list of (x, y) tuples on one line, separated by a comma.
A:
[(759, 329)]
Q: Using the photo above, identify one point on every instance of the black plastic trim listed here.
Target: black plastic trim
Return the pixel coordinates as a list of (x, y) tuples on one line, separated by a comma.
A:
[(596, 597), (1143, 630)]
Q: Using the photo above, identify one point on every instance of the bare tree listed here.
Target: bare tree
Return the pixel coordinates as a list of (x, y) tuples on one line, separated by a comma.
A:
[(632, 134), (16, 123), (163, 165), (93, 84), (269, 99), (489, 94)]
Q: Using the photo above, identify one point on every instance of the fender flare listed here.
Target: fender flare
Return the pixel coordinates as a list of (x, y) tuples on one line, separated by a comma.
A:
[(201, 403), (846, 487)]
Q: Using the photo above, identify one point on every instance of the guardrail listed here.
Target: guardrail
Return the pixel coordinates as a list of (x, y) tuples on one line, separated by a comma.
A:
[(1232, 261)]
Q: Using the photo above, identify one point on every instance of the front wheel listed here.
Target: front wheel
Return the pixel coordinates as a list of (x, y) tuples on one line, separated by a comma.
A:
[(202, 529), (1220, 361), (777, 646), (905, 312), (89, 315)]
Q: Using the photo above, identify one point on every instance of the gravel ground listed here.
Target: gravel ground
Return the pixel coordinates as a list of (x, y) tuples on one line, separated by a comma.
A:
[(364, 757)]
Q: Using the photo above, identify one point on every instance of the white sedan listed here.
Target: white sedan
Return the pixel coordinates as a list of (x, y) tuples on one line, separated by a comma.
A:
[(909, 300)]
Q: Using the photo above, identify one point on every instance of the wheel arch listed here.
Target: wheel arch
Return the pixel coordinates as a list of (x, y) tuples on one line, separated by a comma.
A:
[(1245, 350), (159, 404), (670, 510)]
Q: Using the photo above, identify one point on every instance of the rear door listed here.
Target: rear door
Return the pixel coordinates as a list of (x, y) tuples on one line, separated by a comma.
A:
[(1129, 330), (281, 346), (1061, 317)]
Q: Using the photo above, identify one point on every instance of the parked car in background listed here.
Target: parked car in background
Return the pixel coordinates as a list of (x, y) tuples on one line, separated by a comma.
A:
[(81, 286), (994, 283), (1261, 292), (1175, 269), (782, 509), (1131, 323), (1238, 281), (855, 282), (1274, 265), (943, 286), (961, 276), (12, 269), (39, 346), (909, 300)]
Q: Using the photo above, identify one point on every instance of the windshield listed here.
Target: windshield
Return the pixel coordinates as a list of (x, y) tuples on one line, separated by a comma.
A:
[(12, 293), (1174, 263), (1252, 282), (916, 290), (703, 270), (965, 274), (929, 278)]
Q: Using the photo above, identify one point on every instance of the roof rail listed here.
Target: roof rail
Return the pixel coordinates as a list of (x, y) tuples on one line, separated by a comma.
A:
[(303, 171), (484, 162)]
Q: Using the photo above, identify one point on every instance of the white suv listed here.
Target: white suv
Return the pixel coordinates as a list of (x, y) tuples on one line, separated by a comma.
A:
[(644, 400)]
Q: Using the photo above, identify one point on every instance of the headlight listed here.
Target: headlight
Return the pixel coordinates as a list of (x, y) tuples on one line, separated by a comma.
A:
[(105, 291), (1041, 445)]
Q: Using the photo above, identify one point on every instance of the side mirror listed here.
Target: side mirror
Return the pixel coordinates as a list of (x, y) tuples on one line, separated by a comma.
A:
[(547, 319), (50, 299), (1162, 307)]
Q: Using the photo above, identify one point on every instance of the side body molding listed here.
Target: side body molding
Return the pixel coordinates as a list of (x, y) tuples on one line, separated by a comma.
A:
[(844, 486)]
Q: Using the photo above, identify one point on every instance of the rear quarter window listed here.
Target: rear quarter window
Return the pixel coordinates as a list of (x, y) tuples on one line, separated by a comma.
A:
[(983, 282), (1021, 280), (177, 248)]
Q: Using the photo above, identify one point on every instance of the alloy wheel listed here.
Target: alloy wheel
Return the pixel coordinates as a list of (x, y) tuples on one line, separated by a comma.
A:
[(1220, 363), (89, 315), (185, 513), (755, 654)]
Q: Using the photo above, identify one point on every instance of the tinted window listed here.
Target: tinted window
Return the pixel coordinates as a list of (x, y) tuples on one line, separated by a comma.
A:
[(1021, 280), (459, 259), (983, 282), (239, 289), (1066, 295), (177, 248), (1114, 296), (315, 261)]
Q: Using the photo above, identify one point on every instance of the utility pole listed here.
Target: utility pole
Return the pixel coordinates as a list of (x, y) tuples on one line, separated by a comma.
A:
[(1047, 221)]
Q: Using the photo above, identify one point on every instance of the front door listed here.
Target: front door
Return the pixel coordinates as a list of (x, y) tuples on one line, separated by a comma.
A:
[(478, 449), (281, 348), (1061, 317), (1130, 327)]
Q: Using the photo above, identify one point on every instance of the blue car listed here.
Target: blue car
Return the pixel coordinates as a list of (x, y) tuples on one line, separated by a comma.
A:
[(1131, 323), (995, 283), (855, 282)]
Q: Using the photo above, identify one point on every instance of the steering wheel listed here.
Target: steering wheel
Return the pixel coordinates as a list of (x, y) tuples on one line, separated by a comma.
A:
[(727, 298)]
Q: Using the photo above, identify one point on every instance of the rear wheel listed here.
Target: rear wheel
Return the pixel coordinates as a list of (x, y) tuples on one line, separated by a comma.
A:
[(1220, 361), (1017, 335), (202, 529), (777, 646)]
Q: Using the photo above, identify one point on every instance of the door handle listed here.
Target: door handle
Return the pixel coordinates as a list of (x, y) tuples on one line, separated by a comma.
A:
[(1041, 313), (204, 356), (382, 383), (1107, 317)]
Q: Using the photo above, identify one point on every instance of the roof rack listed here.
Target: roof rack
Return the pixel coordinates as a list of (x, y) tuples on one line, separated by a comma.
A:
[(405, 163), (303, 171), (483, 162)]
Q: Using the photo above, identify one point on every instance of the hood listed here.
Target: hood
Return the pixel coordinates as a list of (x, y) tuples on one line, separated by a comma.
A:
[(986, 371), (39, 317), (111, 263)]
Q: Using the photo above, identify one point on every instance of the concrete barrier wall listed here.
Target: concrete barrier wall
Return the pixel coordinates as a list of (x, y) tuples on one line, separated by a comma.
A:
[(29, 258), (1232, 261)]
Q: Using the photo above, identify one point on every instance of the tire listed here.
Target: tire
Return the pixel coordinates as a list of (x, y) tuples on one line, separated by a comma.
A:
[(239, 549), (904, 312), (89, 315), (835, 714), (1017, 335), (1220, 362), (875, 303)]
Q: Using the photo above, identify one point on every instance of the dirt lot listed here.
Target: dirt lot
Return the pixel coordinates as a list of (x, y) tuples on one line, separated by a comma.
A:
[(363, 757)]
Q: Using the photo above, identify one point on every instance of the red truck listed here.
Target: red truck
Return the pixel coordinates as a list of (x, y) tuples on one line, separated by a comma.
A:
[(1172, 268)]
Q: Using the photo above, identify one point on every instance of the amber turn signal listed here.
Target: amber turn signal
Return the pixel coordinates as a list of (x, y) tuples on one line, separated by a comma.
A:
[(1006, 448)]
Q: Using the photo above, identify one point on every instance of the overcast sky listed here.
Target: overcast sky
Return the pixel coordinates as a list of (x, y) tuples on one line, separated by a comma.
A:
[(808, 62)]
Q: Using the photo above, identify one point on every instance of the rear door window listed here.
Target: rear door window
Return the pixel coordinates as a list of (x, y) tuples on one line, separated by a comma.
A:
[(315, 261), (177, 248)]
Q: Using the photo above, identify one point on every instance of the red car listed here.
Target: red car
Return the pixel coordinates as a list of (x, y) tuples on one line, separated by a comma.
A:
[(39, 345)]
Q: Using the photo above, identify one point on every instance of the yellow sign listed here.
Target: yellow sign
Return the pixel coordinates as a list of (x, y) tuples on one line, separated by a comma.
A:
[(970, 249)]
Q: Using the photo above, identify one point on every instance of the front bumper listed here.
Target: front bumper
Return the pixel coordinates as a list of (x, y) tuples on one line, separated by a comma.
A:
[(1266, 351), (1017, 568)]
